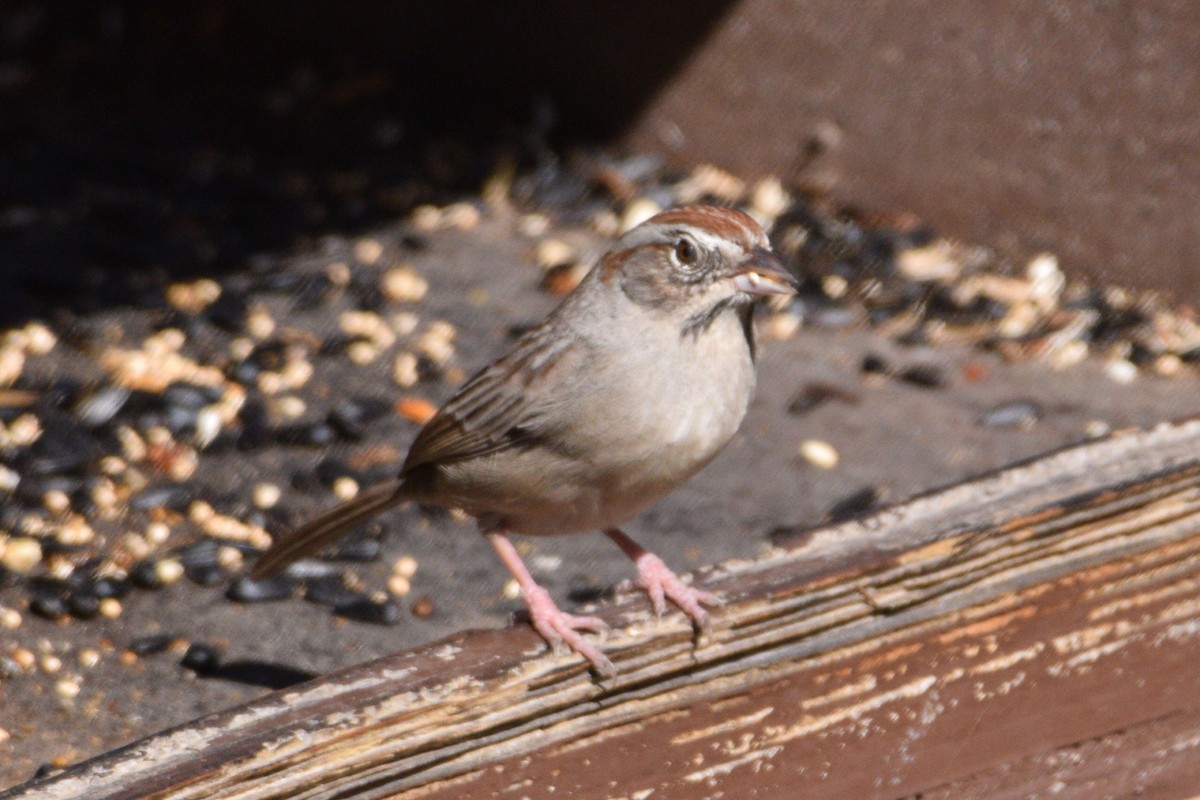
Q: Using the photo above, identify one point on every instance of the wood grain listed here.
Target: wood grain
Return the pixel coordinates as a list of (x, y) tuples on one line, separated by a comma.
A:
[(1000, 627)]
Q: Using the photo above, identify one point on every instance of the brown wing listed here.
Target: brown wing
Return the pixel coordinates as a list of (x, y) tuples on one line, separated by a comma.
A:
[(501, 406)]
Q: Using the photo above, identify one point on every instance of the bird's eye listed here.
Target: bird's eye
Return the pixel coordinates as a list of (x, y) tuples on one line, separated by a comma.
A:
[(686, 253)]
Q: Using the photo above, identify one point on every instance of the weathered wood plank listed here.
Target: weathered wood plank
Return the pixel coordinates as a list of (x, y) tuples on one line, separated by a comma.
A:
[(1152, 760), (994, 622)]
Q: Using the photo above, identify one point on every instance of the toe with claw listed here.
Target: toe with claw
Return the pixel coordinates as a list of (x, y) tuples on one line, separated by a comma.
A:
[(562, 630), (661, 584)]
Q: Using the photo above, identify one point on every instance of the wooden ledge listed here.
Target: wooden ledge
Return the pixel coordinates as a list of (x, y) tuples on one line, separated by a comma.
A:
[(969, 632)]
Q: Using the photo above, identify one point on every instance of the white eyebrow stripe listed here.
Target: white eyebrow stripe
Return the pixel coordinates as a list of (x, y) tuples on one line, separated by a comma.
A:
[(713, 241), (662, 234)]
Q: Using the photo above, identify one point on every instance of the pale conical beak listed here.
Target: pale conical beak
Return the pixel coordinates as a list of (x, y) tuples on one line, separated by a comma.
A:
[(762, 274)]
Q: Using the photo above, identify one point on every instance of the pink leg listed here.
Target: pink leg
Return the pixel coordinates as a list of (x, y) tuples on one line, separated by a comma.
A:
[(555, 626), (661, 584)]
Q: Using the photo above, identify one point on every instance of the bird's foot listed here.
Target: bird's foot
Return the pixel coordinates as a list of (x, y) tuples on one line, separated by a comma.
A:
[(661, 584), (561, 630)]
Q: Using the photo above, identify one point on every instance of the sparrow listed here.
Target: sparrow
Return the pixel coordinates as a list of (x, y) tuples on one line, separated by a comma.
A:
[(635, 382)]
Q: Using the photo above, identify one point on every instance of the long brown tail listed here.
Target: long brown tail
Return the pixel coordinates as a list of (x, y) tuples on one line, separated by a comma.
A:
[(327, 527)]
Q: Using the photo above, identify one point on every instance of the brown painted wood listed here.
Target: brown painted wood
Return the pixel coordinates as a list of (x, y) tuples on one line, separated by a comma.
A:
[(1035, 629)]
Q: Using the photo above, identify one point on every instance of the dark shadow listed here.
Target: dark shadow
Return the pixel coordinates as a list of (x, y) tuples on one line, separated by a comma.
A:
[(259, 673), (856, 504), (146, 142)]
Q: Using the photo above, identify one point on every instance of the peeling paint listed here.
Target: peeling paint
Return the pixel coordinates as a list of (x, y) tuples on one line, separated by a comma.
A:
[(894, 654), (1179, 631), (1144, 599), (1190, 743), (1080, 639), (338, 718), (863, 685), (724, 727), (1002, 689), (1183, 609), (618, 731), (953, 675), (989, 625), (1008, 660), (755, 757), (518, 786), (1088, 657), (937, 551), (447, 652), (812, 724), (398, 674), (640, 794)]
